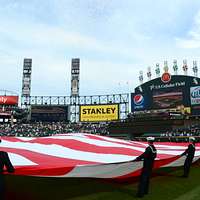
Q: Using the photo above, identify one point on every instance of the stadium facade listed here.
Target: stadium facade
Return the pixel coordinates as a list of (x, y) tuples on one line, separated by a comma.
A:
[(158, 104)]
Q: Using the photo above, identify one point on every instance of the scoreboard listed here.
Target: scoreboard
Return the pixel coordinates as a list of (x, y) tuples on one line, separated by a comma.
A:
[(180, 92)]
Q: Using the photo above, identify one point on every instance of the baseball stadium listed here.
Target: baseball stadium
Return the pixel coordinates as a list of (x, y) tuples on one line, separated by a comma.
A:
[(93, 147)]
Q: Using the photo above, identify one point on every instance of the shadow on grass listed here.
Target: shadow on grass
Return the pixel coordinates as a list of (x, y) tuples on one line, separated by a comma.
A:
[(31, 188), (165, 184)]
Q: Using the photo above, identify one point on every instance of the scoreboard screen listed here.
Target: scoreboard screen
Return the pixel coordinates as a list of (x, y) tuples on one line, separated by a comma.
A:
[(167, 99), (49, 113), (180, 93)]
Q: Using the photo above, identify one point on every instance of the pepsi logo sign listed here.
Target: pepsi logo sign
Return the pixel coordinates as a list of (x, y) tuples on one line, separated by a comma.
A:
[(166, 77), (138, 99)]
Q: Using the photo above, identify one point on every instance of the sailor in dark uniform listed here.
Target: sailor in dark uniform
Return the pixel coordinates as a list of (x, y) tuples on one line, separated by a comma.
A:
[(148, 157), (4, 162), (189, 153)]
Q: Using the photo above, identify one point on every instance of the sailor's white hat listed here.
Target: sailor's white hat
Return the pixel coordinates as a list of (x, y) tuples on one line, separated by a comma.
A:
[(191, 139), (150, 138)]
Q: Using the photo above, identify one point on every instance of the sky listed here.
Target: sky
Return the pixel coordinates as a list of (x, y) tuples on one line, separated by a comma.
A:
[(114, 40)]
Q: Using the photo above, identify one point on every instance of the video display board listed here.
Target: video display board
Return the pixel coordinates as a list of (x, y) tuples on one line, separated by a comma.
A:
[(49, 113), (99, 113), (167, 98), (180, 92)]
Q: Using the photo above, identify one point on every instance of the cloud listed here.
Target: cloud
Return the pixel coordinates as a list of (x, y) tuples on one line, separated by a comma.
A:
[(192, 40), (47, 38), (114, 39)]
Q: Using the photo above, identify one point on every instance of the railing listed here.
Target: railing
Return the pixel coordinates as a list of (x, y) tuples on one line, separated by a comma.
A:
[(169, 139)]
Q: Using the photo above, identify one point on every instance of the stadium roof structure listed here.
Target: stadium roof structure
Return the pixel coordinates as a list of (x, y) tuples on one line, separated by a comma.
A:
[(190, 80), (7, 93), (86, 155)]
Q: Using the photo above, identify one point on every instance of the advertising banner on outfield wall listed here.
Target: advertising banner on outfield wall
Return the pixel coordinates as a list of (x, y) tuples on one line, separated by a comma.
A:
[(195, 95), (9, 100), (99, 113), (140, 101)]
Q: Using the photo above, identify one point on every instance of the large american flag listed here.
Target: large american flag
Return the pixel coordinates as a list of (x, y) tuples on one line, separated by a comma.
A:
[(86, 155)]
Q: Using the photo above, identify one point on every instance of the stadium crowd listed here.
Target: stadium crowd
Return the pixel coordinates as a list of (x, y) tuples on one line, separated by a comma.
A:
[(193, 130), (175, 135), (42, 129), (180, 134)]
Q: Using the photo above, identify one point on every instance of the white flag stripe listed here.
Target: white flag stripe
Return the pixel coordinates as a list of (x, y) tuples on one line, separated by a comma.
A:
[(103, 143), (179, 162), (18, 160), (76, 159), (64, 152), (104, 171), (96, 142), (25, 138), (113, 139), (173, 147)]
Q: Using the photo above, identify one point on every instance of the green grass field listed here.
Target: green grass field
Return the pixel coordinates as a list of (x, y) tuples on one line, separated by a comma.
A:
[(167, 184)]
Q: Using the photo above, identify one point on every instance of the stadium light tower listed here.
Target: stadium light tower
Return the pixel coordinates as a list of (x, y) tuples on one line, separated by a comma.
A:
[(26, 79), (175, 67), (74, 98), (185, 67), (149, 73), (141, 78), (166, 68), (195, 68), (157, 70), (75, 74), (26, 82)]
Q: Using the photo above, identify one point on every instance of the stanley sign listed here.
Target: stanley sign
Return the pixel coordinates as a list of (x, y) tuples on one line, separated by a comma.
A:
[(99, 113)]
